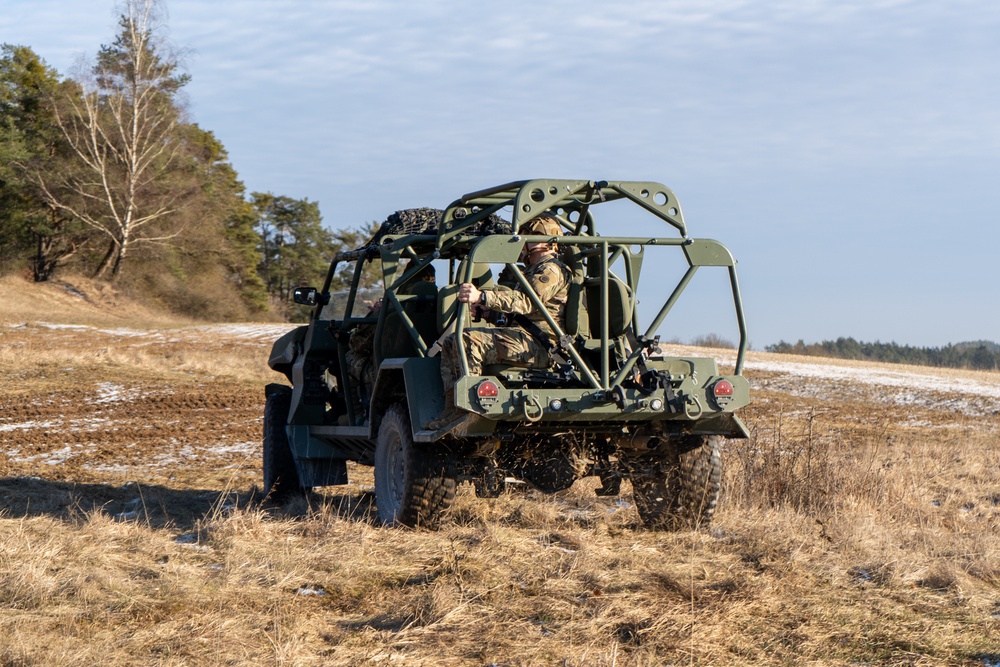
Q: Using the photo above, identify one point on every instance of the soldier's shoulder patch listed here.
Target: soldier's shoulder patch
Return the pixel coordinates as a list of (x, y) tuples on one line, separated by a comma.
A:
[(542, 278)]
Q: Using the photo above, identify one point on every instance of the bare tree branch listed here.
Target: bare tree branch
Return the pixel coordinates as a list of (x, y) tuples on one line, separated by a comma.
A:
[(122, 129)]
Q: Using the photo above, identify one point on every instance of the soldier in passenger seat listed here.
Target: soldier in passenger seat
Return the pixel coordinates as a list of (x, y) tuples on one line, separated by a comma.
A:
[(527, 342)]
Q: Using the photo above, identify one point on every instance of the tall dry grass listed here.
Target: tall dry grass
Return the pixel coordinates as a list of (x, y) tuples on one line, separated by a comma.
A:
[(847, 534)]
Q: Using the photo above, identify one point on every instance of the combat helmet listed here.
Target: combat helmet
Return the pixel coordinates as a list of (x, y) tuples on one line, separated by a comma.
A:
[(543, 225)]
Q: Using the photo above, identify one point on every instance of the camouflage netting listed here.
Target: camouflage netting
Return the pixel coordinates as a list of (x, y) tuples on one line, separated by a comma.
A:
[(412, 221), (427, 220)]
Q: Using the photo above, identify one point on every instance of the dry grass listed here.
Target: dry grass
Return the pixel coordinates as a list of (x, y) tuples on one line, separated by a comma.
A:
[(76, 300), (847, 535)]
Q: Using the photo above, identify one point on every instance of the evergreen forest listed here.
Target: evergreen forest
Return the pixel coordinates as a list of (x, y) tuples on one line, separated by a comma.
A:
[(976, 355), (102, 174)]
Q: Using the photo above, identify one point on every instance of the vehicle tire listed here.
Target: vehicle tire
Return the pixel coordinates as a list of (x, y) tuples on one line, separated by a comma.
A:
[(414, 484), (281, 479), (681, 493)]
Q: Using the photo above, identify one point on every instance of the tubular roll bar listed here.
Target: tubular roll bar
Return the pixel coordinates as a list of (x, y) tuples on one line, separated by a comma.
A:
[(605, 244), (528, 199)]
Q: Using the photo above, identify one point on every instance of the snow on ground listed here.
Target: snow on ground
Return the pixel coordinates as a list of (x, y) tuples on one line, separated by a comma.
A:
[(914, 382), (969, 393), (964, 397), (259, 332)]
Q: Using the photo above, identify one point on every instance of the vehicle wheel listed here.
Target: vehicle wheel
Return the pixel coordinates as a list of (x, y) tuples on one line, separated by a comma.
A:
[(414, 485), (681, 492), (281, 479)]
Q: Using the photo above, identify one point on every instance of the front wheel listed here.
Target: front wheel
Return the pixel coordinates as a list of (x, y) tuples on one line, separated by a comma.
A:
[(682, 491), (414, 484)]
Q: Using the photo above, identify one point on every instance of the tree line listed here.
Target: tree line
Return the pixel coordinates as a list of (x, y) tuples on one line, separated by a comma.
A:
[(977, 355), (102, 173)]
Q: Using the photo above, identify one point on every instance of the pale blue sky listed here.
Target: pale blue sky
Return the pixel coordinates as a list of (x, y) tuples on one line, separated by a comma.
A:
[(847, 151)]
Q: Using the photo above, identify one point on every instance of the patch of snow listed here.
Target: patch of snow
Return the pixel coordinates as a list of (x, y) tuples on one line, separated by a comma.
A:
[(246, 331), (28, 425), (109, 392), (57, 457), (913, 384), (71, 327), (124, 333)]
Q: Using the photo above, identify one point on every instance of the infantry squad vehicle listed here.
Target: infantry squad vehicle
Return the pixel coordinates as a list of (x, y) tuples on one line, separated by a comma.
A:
[(610, 404)]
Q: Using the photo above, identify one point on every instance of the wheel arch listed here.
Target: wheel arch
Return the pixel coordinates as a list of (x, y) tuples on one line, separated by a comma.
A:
[(413, 380)]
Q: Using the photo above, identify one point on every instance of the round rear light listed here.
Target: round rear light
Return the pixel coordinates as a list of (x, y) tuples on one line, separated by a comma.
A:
[(656, 404), (487, 389), (723, 388), (556, 404)]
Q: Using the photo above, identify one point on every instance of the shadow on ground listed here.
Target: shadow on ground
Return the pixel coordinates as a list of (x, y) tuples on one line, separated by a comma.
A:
[(160, 506)]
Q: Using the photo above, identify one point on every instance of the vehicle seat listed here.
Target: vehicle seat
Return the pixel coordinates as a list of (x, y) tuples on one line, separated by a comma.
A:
[(619, 306), (447, 302), (577, 321), (420, 304)]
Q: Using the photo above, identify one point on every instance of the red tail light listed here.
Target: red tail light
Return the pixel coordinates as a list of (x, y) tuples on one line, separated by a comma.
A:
[(723, 388), (488, 389)]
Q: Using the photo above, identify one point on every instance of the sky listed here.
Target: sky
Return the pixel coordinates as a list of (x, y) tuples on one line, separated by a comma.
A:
[(847, 152)]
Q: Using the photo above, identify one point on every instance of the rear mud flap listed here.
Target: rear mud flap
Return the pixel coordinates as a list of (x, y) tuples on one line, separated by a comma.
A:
[(725, 424)]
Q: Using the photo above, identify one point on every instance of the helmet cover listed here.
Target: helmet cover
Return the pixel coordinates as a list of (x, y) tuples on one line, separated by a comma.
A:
[(543, 225)]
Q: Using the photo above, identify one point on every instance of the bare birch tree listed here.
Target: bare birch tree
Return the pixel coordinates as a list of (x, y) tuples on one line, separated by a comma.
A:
[(122, 131)]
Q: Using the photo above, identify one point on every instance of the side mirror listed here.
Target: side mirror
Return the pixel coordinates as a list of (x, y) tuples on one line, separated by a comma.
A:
[(307, 296)]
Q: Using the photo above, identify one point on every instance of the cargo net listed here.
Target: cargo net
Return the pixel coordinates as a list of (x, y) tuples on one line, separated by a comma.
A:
[(427, 220)]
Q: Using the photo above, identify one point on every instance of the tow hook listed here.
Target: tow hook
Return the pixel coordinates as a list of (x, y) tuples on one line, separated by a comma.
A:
[(618, 396), (526, 402), (692, 406)]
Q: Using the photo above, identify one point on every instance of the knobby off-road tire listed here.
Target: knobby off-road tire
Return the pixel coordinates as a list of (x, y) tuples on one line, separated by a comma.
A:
[(414, 484), (281, 479), (681, 493)]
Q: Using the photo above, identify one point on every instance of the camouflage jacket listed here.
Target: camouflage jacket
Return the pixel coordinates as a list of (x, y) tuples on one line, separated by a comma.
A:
[(550, 279)]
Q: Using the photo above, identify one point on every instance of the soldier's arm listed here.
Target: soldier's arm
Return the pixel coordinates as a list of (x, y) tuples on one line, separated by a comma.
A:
[(546, 284)]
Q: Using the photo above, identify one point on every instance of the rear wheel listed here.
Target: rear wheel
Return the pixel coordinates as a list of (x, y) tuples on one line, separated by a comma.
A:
[(281, 479), (682, 491), (414, 484)]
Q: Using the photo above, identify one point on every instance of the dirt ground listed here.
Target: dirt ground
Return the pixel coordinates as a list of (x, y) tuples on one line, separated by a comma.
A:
[(90, 414)]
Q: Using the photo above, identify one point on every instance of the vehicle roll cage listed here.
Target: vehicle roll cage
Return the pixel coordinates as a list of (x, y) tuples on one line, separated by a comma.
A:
[(459, 235)]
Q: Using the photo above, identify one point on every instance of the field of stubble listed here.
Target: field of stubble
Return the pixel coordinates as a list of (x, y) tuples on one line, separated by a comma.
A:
[(860, 525)]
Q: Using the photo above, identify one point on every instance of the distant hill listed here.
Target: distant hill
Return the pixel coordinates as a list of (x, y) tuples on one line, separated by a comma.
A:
[(972, 345), (77, 300), (976, 355)]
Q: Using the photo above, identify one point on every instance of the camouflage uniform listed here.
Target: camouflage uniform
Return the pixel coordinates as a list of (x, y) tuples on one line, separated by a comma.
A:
[(359, 355), (550, 279)]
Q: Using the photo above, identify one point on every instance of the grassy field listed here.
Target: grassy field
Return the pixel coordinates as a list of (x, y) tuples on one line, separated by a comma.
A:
[(860, 525)]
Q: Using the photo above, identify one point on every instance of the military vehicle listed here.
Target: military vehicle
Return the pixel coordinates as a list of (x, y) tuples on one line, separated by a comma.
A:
[(609, 405)]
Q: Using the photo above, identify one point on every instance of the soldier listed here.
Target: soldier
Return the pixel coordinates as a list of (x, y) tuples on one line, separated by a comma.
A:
[(526, 344), (360, 353)]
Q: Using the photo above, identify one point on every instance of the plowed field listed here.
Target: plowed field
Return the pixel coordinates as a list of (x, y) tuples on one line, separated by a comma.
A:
[(90, 408)]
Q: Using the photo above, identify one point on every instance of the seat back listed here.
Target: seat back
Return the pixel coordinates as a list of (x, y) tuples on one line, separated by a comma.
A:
[(577, 321), (422, 311), (619, 307)]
